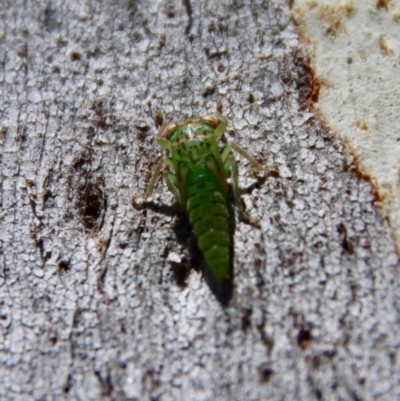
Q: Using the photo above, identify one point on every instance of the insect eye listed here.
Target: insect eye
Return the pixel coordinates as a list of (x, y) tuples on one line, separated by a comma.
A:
[(166, 130), (212, 120)]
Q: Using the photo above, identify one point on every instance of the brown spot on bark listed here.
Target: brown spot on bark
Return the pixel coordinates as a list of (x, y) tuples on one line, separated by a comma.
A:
[(362, 125), (304, 337), (383, 45), (332, 17), (382, 4), (75, 56), (265, 371), (220, 106), (316, 86), (3, 133)]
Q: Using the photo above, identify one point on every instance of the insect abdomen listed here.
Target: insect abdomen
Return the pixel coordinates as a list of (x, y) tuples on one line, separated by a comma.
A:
[(209, 216)]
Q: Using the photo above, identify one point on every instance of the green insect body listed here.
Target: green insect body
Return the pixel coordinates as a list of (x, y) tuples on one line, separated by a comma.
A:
[(197, 173), (209, 217)]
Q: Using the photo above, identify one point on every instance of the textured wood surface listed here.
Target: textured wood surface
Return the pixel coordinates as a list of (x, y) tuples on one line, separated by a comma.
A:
[(90, 307)]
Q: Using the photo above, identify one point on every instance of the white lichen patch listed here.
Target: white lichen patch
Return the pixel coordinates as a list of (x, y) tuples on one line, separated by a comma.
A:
[(354, 49)]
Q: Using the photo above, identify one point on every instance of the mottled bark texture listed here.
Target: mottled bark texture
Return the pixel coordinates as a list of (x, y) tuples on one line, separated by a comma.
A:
[(90, 306)]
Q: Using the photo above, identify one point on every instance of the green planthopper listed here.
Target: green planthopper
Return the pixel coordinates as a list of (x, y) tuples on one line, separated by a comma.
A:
[(197, 171)]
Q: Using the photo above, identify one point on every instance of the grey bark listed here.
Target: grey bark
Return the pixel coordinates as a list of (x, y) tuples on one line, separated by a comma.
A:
[(90, 307)]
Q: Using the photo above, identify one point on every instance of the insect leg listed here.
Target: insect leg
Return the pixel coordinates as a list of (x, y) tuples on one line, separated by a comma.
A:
[(232, 165), (152, 183), (226, 152), (244, 154), (274, 169), (236, 193), (230, 168), (172, 182), (219, 131)]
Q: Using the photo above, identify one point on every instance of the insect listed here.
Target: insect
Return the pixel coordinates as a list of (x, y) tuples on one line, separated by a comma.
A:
[(197, 171)]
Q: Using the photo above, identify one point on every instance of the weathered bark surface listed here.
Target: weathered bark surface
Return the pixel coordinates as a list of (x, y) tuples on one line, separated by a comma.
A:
[(90, 308)]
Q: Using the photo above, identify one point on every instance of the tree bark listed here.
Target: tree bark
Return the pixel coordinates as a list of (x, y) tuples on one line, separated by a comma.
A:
[(91, 306)]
